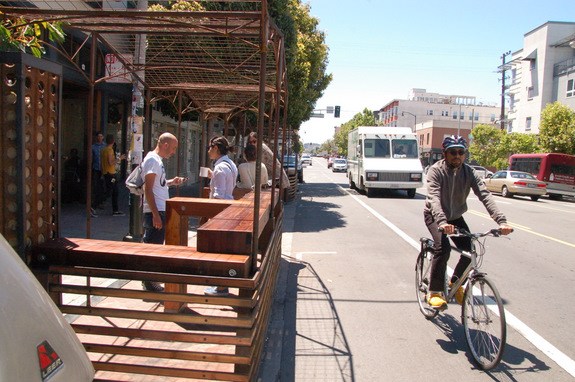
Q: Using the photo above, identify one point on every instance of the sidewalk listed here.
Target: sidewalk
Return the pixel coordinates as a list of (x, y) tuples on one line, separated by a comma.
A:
[(106, 226)]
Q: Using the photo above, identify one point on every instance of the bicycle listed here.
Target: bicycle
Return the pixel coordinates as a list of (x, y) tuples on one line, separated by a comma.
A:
[(482, 312)]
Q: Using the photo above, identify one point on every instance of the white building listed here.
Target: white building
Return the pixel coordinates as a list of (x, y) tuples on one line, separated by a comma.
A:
[(423, 106), (542, 72)]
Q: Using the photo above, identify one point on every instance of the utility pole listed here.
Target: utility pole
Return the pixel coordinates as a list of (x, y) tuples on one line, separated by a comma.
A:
[(502, 116)]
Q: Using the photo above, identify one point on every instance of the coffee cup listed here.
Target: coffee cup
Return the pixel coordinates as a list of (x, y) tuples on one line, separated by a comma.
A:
[(204, 172)]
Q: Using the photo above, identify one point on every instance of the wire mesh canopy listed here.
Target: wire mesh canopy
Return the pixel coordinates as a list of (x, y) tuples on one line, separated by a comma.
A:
[(214, 57)]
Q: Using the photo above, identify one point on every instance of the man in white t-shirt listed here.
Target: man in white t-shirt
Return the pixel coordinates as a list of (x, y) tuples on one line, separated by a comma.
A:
[(156, 193)]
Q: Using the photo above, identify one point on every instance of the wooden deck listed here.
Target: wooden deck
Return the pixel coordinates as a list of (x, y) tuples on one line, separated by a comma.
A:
[(179, 334)]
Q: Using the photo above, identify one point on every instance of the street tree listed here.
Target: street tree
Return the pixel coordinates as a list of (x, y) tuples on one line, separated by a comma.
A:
[(557, 129), (306, 57), (485, 147), (365, 118)]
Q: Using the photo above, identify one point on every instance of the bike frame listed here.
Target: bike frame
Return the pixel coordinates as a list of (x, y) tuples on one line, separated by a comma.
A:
[(470, 272)]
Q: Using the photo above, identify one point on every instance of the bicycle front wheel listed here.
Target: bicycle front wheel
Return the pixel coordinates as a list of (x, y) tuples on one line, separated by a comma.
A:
[(483, 319), (422, 279)]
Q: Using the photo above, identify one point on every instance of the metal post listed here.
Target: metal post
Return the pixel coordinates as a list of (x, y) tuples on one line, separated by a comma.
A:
[(136, 229)]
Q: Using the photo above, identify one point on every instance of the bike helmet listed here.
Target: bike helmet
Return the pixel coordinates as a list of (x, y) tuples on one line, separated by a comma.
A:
[(454, 141)]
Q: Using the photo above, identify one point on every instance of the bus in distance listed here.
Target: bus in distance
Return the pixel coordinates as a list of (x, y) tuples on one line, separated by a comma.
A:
[(557, 170)]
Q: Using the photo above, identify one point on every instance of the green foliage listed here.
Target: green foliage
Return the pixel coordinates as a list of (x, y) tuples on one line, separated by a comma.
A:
[(306, 57), (557, 129), (492, 146), (365, 118), (24, 35), (485, 148)]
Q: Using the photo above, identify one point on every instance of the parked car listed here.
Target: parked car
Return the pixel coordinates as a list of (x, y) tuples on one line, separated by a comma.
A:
[(510, 183), (482, 171), (339, 165), (306, 159), (329, 162), (293, 167)]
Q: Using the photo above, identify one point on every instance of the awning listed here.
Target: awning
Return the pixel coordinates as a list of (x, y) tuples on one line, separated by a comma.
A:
[(531, 56)]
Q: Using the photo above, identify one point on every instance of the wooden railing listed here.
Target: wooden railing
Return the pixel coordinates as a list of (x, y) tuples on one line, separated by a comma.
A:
[(127, 332)]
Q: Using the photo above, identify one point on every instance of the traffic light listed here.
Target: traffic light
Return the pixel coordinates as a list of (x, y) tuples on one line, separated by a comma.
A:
[(336, 113)]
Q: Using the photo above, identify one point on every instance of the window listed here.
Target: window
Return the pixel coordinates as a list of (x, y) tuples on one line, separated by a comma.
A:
[(427, 139), (462, 115), (492, 118), (454, 115), (429, 112), (376, 148), (444, 113), (530, 92), (570, 88), (532, 65), (528, 124)]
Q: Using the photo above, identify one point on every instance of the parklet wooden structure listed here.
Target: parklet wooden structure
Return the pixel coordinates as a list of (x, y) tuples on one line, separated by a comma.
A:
[(219, 63)]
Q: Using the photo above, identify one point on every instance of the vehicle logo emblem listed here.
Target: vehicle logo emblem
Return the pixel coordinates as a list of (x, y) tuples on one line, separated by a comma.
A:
[(50, 361)]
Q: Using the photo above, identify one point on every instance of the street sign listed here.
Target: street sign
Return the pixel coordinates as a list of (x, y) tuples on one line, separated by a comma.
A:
[(329, 110), (316, 115)]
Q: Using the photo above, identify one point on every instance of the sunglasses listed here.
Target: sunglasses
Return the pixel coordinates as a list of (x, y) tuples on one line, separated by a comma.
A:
[(456, 152), (212, 145)]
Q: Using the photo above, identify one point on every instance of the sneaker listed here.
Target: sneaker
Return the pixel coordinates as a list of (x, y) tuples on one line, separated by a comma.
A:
[(458, 294), (118, 213), (436, 300), (152, 286), (216, 291)]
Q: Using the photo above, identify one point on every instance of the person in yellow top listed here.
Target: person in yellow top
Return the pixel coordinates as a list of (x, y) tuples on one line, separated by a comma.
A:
[(109, 160)]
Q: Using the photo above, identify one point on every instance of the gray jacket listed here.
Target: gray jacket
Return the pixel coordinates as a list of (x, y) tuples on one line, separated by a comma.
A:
[(448, 189)]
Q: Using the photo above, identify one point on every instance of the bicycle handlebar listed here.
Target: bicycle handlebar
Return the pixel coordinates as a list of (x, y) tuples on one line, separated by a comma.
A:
[(496, 232)]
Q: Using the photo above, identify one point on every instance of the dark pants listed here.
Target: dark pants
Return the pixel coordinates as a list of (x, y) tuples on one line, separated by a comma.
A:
[(153, 235), (97, 188), (442, 250), (112, 189)]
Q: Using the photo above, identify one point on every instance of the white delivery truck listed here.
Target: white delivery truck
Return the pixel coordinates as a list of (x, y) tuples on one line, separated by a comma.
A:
[(384, 157)]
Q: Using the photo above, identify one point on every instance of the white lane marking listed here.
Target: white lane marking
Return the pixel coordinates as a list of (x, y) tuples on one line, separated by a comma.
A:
[(530, 335)]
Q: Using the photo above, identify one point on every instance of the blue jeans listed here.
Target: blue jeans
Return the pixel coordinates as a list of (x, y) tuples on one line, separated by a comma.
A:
[(153, 235)]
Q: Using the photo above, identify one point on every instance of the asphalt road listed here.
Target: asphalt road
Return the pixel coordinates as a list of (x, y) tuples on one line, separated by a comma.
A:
[(347, 310)]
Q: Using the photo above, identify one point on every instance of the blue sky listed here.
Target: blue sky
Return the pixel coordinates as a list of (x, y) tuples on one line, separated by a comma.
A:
[(380, 49)]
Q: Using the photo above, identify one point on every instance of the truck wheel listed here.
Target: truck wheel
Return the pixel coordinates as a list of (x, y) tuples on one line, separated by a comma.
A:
[(411, 193), (370, 192)]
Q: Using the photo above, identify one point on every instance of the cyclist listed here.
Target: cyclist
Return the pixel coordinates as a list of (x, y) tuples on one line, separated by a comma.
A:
[(449, 182)]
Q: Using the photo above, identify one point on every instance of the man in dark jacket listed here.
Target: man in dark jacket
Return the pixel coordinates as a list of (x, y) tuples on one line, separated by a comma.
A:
[(449, 182)]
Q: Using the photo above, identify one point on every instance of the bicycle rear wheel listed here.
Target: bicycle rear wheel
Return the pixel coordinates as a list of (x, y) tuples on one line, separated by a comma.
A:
[(422, 267), (483, 318)]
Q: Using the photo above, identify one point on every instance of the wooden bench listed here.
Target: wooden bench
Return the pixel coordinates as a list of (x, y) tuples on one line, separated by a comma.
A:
[(139, 257), (231, 231)]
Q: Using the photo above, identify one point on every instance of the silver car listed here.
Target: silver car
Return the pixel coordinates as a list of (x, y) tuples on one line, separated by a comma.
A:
[(510, 183), (339, 165)]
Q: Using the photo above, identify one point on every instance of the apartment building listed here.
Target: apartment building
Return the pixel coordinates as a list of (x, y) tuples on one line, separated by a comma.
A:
[(541, 72), (422, 106)]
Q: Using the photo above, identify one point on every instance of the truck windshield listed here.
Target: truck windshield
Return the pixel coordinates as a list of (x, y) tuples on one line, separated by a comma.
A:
[(376, 148), (404, 148)]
